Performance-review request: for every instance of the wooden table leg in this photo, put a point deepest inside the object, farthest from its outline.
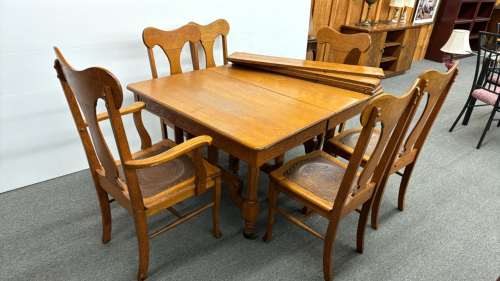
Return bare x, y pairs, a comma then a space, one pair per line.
251, 206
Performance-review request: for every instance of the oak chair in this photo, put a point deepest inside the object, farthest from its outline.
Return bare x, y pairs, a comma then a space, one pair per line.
209, 34
486, 84
436, 90
146, 182
345, 48
327, 186
171, 42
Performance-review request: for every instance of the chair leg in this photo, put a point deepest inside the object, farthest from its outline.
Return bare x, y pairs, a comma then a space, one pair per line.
377, 199
310, 145
404, 185
331, 233
279, 161
487, 128
164, 132
461, 113
141, 229
363, 221
273, 198
179, 135
103, 198
341, 127
234, 164
215, 208
472, 102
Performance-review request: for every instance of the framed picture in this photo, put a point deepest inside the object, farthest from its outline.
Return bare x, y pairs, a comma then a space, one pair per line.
426, 11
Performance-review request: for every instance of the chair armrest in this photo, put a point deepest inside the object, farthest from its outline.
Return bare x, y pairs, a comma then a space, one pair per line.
136, 106
170, 154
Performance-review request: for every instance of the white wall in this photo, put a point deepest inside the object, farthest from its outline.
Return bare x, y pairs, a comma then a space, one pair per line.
38, 139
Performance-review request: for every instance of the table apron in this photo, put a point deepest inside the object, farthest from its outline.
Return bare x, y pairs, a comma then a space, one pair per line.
218, 140
289, 143
346, 114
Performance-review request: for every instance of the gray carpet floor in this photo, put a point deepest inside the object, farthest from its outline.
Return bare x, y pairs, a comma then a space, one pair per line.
450, 229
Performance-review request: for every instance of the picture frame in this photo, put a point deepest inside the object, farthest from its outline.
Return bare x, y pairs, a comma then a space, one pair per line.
426, 11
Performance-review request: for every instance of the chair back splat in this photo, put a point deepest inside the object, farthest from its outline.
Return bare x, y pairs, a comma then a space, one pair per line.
171, 42
346, 48
146, 182
85, 88
209, 33
327, 186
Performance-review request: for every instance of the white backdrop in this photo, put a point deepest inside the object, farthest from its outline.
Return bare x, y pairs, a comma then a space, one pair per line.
38, 138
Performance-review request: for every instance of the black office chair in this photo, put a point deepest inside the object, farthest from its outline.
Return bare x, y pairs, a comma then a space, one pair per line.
486, 84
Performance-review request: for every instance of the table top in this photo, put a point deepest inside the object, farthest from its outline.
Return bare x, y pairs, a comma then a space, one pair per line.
255, 108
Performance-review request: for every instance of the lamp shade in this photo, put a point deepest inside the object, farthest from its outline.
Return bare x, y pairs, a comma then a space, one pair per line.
397, 3
458, 43
410, 3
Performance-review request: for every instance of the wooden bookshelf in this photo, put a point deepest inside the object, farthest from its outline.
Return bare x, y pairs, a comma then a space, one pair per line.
472, 15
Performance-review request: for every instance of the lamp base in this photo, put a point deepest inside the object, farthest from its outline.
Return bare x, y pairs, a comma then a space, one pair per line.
450, 63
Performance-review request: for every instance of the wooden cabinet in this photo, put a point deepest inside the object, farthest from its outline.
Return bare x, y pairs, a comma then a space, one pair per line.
472, 15
392, 47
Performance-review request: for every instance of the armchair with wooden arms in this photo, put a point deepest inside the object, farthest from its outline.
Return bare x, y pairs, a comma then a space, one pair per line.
327, 186
146, 182
436, 90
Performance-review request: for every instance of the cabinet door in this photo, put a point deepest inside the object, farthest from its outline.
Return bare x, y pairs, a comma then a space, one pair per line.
374, 54
408, 49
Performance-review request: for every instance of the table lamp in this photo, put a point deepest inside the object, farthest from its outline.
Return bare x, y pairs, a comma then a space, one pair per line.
398, 4
458, 43
367, 21
408, 4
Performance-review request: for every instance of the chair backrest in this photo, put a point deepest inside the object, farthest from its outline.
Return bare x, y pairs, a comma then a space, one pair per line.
488, 63
392, 114
343, 46
171, 42
436, 89
209, 33
83, 89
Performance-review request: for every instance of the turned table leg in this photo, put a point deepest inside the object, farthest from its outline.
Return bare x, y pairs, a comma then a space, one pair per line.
251, 206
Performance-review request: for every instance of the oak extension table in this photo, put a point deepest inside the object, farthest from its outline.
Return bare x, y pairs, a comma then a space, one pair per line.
250, 113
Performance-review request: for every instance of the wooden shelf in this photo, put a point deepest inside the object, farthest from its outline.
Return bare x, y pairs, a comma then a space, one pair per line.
391, 44
478, 19
463, 20
387, 58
